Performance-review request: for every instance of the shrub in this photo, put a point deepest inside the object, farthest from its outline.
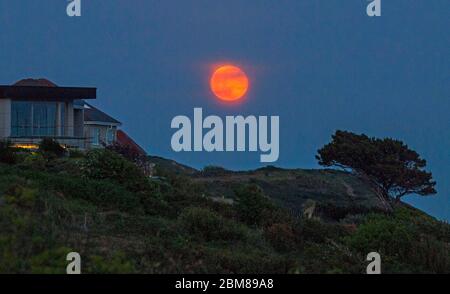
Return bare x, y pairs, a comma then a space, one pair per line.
105, 164
403, 245
313, 230
336, 212
252, 204
7, 154
102, 164
75, 153
214, 171
50, 148
118, 263
100, 192
208, 225
52, 261
33, 161
282, 237
247, 261
139, 158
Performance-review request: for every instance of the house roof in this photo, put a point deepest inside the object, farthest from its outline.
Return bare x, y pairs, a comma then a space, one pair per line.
35, 83
43, 89
125, 140
94, 115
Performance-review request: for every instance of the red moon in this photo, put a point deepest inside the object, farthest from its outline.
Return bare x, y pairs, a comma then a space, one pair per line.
229, 83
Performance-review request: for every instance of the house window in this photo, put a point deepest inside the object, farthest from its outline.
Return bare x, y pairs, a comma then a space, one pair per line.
110, 136
63, 119
33, 119
21, 119
95, 135
44, 119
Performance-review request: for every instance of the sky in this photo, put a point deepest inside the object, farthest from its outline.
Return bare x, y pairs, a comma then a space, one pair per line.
320, 65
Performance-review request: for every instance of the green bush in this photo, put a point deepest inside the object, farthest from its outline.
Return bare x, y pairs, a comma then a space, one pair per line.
252, 205
247, 261
99, 192
317, 231
33, 161
51, 148
7, 154
283, 237
206, 224
118, 263
75, 153
105, 164
214, 171
404, 246
52, 261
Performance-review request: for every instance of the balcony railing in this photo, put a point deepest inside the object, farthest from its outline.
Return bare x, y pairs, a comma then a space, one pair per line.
71, 142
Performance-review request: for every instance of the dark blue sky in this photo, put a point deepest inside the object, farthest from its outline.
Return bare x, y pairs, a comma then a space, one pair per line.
320, 65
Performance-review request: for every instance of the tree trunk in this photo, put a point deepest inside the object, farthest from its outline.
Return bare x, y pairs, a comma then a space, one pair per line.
381, 195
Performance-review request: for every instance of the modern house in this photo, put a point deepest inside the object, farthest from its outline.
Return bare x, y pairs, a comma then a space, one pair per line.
33, 109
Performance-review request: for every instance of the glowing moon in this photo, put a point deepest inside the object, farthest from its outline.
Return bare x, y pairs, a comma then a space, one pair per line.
229, 83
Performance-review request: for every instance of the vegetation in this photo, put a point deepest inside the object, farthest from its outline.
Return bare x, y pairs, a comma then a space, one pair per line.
50, 148
103, 206
133, 155
389, 164
7, 154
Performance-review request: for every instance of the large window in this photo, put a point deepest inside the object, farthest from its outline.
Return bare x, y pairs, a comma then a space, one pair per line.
110, 136
34, 119
95, 135
21, 119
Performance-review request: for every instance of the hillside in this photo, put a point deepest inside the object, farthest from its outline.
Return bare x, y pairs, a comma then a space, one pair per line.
102, 206
293, 188
289, 188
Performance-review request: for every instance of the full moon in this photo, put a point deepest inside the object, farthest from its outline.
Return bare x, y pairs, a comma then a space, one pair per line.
229, 83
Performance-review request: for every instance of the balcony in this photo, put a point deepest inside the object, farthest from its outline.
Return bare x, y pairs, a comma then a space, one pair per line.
70, 142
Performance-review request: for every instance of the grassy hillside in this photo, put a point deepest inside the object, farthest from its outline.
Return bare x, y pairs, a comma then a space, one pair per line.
102, 206
292, 189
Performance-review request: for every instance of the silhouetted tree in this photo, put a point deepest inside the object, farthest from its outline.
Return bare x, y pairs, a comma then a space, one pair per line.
389, 164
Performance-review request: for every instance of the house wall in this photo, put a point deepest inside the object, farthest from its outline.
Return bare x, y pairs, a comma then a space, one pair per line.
5, 118
78, 121
70, 128
88, 130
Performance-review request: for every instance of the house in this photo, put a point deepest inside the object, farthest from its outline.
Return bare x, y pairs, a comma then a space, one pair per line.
99, 127
33, 109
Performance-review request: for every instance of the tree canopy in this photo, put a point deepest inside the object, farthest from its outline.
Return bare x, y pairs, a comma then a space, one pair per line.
389, 164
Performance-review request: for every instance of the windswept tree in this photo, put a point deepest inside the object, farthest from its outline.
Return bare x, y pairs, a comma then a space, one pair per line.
393, 168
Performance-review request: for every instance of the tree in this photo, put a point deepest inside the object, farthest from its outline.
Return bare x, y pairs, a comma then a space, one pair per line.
252, 205
393, 168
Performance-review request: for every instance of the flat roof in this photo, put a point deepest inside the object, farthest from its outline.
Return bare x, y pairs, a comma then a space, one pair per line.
46, 93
